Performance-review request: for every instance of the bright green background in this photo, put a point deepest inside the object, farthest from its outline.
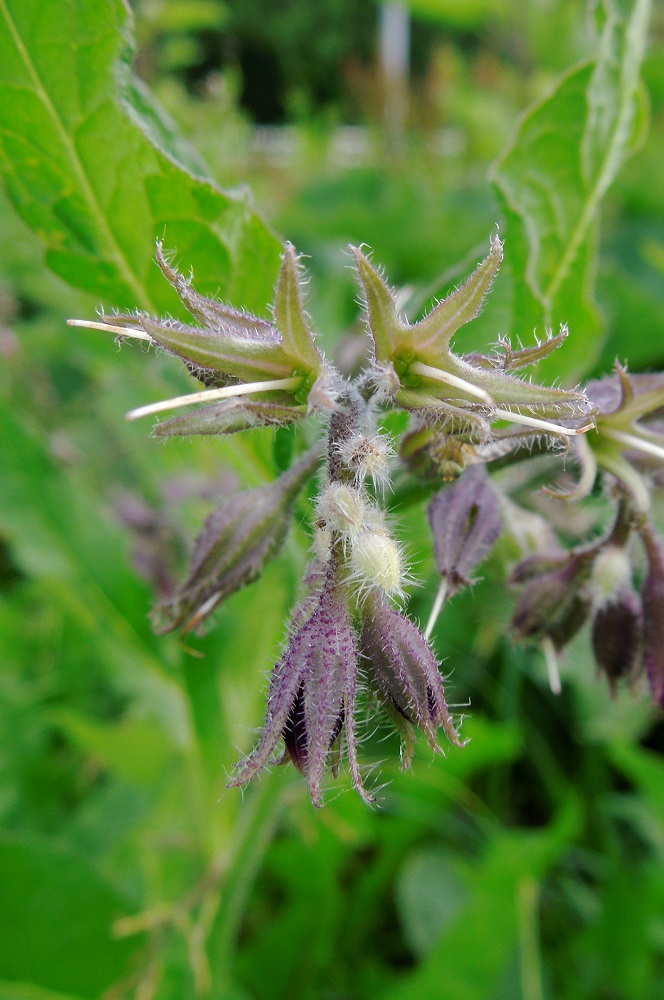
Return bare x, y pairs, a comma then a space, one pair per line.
528, 864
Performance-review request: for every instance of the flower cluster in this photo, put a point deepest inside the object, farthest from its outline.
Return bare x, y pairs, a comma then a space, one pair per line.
350, 631
349, 638
595, 583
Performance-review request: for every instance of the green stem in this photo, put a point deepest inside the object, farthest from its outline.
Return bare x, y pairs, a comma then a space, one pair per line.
257, 823
531, 965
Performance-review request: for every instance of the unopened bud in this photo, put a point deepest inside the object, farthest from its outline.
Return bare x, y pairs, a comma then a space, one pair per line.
376, 563
367, 456
611, 575
345, 510
555, 602
237, 541
405, 670
652, 595
617, 637
465, 522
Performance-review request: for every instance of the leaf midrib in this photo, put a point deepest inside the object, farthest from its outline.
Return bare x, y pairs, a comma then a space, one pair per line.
604, 178
139, 290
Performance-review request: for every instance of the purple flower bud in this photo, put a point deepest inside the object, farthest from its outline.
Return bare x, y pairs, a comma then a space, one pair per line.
617, 637
237, 541
465, 521
405, 669
555, 601
652, 595
312, 694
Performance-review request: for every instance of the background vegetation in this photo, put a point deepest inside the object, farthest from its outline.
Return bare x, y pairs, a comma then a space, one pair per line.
528, 864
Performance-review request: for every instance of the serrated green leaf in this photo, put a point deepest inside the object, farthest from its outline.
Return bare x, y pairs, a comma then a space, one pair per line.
552, 178
83, 166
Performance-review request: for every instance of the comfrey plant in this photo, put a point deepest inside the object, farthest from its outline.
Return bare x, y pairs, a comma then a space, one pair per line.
474, 421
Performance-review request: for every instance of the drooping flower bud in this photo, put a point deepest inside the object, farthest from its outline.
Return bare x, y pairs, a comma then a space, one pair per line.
405, 670
652, 595
237, 541
555, 602
312, 696
617, 637
465, 522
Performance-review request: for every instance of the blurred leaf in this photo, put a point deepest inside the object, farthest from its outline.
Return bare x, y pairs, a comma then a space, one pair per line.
135, 750
490, 920
82, 169
66, 542
430, 895
186, 15
460, 13
645, 769
24, 991
56, 914
552, 178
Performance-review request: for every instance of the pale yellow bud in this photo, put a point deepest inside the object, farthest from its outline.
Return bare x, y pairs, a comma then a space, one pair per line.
344, 509
367, 455
376, 562
611, 576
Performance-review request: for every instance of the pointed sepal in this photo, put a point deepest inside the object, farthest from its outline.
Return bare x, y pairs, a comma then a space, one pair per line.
289, 315
231, 416
432, 335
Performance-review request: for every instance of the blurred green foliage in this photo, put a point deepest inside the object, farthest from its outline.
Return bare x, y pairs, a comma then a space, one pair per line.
528, 864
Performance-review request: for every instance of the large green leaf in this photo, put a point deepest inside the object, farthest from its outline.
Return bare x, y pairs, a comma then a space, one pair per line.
81, 166
56, 915
478, 939
26, 991
70, 545
552, 178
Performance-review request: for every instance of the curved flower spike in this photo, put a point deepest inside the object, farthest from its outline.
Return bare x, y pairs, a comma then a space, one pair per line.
415, 366
239, 357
